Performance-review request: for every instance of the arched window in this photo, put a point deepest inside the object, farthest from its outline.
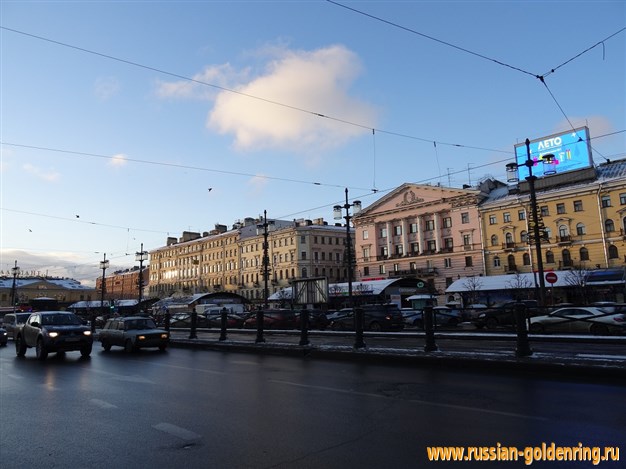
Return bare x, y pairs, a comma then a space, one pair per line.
580, 229
526, 259
509, 239
563, 231
609, 226
511, 261
549, 257
584, 254
548, 232
524, 236
494, 240
304, 272
496, 261
613, 254
567, 258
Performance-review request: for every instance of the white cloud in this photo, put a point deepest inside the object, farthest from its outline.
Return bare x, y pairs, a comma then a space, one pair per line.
317, 82
46, 175
118, 160
106, 87
219, 76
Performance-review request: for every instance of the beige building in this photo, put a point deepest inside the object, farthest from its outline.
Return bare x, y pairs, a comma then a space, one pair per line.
232, 260
425, 232
34, 290
582, 217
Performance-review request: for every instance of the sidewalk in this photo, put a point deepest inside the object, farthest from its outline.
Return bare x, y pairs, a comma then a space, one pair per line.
576, 363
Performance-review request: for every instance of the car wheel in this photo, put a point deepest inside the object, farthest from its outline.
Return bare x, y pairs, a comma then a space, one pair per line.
376, 327
491, 323
20, 346
40, 350
106, 346
86, 350
599, 329
128, 346
162, 348
537, 328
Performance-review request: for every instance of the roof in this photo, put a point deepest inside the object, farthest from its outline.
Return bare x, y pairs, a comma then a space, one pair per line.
369, 287
66, 283
506, 282
606, 277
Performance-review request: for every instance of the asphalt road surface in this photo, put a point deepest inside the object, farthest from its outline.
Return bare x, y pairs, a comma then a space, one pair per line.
205, 409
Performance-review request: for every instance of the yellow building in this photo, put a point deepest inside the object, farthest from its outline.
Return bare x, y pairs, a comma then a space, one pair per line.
584, 215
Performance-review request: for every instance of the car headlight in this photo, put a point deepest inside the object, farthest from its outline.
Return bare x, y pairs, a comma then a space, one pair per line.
141, 337
482, 316
164, 336
86, 332
53, 334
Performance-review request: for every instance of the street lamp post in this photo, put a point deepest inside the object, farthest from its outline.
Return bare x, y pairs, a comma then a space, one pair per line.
104, 264
140, 256
356, 208
266, 265
15, 271
511, 170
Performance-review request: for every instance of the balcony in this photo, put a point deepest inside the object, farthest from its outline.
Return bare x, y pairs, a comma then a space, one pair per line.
564, 240
468, 247
509, 246
382, 258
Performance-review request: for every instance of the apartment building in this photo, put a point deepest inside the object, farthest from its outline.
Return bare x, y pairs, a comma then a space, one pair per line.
429, 233
582, 217
123, 284
232, 260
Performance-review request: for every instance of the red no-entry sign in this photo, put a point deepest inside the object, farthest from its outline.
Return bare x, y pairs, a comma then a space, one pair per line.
551, 277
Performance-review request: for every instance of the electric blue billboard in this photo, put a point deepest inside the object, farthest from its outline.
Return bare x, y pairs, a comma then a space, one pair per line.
571, 151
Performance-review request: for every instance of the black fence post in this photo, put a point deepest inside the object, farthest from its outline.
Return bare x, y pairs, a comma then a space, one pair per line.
429, 329
304, 327
259, 326
523, 346
358, 328
223, 319
194, 323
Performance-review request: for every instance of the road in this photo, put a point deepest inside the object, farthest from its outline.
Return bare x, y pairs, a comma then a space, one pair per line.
207, 409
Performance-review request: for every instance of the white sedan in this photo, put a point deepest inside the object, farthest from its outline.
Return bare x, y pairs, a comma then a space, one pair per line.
582, 319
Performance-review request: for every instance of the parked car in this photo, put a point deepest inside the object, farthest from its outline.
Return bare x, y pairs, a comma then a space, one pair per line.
13, 321
183, 320
273, 319
4, 337
385, 317
53, 331
133, 333
317, 320
443, 316
233, 321
582, 319
504, 314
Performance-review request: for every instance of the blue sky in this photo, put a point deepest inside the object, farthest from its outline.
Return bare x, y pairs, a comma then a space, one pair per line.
117, 117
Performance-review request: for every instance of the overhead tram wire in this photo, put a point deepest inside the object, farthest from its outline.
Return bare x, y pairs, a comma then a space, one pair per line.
199, 82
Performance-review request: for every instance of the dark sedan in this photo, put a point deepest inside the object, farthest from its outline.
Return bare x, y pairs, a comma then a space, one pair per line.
375, 318
273, 319
133, 333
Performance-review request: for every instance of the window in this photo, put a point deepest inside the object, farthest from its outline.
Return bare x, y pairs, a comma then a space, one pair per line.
468, 261
521, 214
381, 269
622, 199
467, 240
383, 232
366, 270
526, 259
447, 222
302, 239
609, 226
397, 230
578, 205
563, 231
523, 236
567, 258
613, 254
431, 245
447, 262
396, 267
549, 257
413, 228
366, 254
560, 208
584, 254
415, 248
304, 273
496, 261
544, 211
430, 225
465, 217
366, 234
448, 243
506, 216
606, 201
399, 249
303, 255
384, 252
580, 229
492, 220
413, 266
494, 240
509, 239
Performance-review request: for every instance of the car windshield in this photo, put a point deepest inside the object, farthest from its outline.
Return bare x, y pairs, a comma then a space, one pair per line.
60, 320
139, 324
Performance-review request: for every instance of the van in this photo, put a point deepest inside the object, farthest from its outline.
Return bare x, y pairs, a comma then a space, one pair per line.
13, 321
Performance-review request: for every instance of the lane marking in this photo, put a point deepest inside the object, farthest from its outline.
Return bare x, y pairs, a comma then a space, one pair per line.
415, 401
103, 404
178, 432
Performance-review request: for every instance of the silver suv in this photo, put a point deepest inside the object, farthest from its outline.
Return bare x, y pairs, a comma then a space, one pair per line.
13, 321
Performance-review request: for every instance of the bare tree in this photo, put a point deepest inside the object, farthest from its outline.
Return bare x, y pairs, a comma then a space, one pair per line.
577, 278
521, 284
472, 287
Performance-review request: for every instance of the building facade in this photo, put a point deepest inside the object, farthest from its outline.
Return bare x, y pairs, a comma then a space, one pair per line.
425, 232
29, 290
124, 284
582, 217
